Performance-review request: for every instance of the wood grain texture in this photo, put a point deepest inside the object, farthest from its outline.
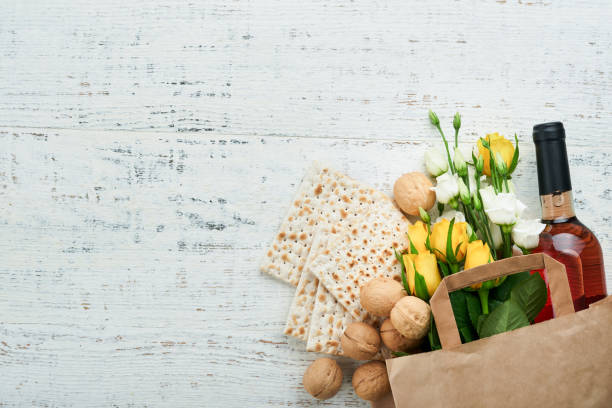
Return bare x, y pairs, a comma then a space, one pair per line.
365, 69
148, 151
129, 273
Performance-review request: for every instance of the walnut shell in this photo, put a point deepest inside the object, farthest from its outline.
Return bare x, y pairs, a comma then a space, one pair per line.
360, 341
411, 317
379, 295
371, 381
413, 190
323, 378
394, 340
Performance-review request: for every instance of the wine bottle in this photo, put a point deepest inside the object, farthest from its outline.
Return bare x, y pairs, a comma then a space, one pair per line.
565, 238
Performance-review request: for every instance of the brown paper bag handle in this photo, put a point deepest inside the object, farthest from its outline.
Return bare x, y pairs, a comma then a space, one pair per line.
440, 301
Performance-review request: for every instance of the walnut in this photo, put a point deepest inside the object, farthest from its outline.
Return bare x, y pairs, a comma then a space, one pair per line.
411, 317
413, 190
360, 341
323, 378
394, 340
379, 295
371, 381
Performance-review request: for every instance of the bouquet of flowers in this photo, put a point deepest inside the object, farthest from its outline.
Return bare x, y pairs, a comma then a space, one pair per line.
480, 221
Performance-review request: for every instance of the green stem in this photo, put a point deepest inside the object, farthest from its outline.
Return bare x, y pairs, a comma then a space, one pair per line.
507, 244
456, 138
488, 236
483, 294
468, 218
450, 162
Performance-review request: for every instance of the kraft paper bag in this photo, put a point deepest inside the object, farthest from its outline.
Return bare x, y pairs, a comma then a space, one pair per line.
563, 362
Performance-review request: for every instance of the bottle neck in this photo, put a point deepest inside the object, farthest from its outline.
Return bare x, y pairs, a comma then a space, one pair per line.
557, 207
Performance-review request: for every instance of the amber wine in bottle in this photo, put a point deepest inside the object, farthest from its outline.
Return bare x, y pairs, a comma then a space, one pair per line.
565, 238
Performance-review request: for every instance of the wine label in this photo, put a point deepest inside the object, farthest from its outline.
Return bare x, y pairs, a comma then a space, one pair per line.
557, 205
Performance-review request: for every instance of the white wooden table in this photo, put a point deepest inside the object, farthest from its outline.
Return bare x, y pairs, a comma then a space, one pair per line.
148, 151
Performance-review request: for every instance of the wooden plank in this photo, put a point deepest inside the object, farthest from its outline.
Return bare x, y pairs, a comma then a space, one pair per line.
129, 272
360, 69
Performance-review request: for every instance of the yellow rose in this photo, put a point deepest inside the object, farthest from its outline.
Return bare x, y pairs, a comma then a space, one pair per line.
477, 254
439, 233
500, 145
418, 235
427, 266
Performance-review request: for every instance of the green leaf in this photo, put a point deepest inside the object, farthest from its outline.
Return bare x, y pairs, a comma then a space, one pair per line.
462, 316
420, 287
400, 353
507, 316
457, 249
515, 157
413, 250
400, 259
466, 334
450, 255
434, 339
473, 307
530, 295
502, 292
443, 268
493, 304
481, 320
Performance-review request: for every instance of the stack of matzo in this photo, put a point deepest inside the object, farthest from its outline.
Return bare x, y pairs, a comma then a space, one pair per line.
338, 234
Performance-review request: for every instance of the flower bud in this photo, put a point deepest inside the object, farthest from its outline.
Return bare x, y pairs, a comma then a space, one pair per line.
477, 203
433, 118
424, 215
435, 162
439, 237
425, 264
417, 234
457, 121
479, 164
460, 164
500, 164
454, 203
471, 233
478, 253
464, 193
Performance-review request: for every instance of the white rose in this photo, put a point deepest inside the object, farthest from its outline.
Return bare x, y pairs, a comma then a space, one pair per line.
502, 208
460, 164
496, 235
464, 194
450, 214
447, 187
435, 162
526, 233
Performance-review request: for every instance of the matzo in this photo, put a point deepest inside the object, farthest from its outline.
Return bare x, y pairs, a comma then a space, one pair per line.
365, 251
328, 322
324, 195
315, 315
298, 319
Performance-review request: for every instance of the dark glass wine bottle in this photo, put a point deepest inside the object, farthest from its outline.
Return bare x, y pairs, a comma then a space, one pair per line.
565, 238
